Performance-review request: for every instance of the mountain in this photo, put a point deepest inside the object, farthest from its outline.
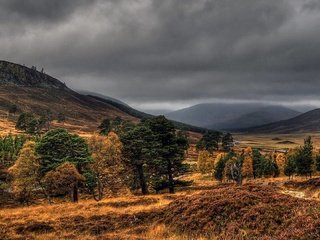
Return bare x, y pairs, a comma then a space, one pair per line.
307, 122
223, 116
34, 91
37, 92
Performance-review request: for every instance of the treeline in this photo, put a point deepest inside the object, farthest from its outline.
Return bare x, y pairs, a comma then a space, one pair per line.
251, 163
35, 125
146, 156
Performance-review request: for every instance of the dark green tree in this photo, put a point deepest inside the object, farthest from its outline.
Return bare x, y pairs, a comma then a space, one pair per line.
220, 166
138, 150
209, 141
290, 168
227, 142
28, 123
57, 147
105, 126
170, 149
305, 161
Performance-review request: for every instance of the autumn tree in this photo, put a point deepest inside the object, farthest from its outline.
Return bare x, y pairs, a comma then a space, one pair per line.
205, 162
232, 170
220, 163
107, 162
281, 161
247, 165
64, 180
26, 172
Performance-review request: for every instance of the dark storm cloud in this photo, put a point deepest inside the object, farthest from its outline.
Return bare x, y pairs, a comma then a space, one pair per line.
162, 51
39, 10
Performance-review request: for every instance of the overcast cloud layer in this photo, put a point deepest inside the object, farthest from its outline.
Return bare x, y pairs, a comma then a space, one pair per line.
166, 54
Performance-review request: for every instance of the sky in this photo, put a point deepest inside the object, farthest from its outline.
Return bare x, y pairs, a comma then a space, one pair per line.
162, 55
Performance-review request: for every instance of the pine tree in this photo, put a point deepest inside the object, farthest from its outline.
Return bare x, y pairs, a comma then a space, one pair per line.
170, 150
138, 150
305, 161
290, 167
209, 141
58, 146
227, 142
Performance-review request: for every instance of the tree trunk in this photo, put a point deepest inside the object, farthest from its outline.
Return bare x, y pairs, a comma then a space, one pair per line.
142, 180
75, 197
170, 178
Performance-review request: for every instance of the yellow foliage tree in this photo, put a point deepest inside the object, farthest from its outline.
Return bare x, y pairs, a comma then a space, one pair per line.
247, 165
25, 172
205, 162
107, 162
281, 161
63, 180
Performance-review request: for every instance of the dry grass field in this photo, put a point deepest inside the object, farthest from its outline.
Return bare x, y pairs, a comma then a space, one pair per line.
263, 209
273, 142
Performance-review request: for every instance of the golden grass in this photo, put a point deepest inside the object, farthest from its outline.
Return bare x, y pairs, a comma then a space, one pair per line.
90, 212
128, 217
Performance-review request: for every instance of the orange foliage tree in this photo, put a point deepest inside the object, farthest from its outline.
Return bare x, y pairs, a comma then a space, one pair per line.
247, 165
107, 162
205, 162
281, 161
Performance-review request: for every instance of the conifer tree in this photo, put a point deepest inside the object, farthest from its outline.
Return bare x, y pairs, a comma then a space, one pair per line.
305, 161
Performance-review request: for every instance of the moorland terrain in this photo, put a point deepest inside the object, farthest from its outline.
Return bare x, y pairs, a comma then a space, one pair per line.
111, 175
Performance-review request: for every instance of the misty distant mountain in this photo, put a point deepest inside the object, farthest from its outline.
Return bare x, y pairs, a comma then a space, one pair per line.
223, 116
307, 122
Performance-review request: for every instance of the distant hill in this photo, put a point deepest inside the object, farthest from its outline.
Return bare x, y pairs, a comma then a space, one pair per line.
226, 116
37, 92
307, 122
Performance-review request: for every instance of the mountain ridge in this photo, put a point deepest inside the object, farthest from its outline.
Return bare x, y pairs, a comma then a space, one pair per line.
226, 116
306, 122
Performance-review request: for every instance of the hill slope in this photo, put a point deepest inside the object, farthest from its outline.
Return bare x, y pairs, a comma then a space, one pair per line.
231, 115
37, 92
34, 91
307, 122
